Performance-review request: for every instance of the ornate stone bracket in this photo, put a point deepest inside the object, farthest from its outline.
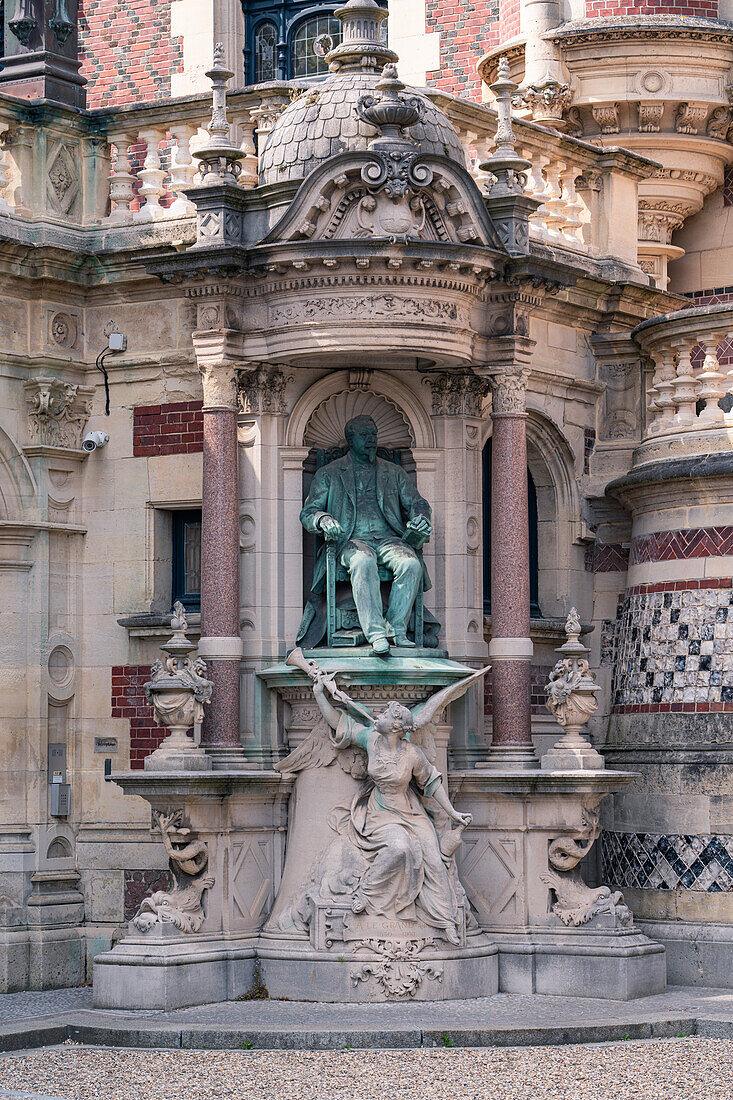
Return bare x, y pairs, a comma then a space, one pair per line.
263, 390
57, 411
575, 902
547, 101
188, 860
457, 394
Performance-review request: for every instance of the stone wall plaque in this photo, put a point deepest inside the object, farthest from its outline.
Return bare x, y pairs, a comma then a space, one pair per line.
105, 744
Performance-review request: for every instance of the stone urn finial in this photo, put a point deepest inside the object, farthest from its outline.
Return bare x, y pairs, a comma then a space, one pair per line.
571, 699
178, 690
390, 112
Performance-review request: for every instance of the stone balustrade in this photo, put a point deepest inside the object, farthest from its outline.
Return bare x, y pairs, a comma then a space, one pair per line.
152, 163
589, 196
690, 389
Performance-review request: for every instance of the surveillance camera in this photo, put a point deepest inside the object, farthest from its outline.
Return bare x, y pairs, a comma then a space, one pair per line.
93, 440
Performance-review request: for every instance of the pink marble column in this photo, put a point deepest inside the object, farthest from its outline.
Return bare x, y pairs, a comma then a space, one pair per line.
510, 650
220, 644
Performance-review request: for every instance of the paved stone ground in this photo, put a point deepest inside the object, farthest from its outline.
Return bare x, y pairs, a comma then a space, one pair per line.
42, 1019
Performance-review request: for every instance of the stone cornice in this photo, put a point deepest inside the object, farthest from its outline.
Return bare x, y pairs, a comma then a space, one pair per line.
635, 27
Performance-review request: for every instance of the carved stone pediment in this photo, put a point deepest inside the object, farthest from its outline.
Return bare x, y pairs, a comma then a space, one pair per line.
380, 195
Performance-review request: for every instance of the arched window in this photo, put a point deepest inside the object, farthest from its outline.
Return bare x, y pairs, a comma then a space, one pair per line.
534, 572
312, 40
265, 53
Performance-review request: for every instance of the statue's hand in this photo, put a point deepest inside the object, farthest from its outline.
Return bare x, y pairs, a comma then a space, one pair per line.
422, 525
330, 528
464, 819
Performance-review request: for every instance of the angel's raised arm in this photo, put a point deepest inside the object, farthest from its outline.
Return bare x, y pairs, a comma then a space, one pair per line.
428, 712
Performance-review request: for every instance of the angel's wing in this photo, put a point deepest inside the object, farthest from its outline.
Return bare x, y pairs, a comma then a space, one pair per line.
428, 711
317, 751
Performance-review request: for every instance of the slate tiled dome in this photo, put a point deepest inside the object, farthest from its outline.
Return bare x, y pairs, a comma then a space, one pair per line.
323, 122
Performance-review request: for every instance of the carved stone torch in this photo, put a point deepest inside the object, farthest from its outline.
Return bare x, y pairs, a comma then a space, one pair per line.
178, 691
571, 699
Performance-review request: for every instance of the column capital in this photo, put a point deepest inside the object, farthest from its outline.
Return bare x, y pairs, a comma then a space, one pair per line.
219, 357
509, 390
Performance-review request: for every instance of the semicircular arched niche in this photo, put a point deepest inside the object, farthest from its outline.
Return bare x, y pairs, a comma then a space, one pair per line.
325, 427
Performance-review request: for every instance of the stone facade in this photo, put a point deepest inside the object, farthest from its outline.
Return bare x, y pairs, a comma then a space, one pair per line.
258, 324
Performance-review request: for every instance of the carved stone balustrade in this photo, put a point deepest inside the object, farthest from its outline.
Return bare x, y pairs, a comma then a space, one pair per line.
677, 110
588, 195
690, 389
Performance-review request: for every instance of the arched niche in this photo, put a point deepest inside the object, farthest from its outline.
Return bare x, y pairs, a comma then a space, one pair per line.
17, 484
551, 468
370, 384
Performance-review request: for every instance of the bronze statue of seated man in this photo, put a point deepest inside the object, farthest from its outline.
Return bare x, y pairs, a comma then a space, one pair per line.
373, 514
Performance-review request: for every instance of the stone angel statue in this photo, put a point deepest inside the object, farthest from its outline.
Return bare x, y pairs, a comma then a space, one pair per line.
392, 821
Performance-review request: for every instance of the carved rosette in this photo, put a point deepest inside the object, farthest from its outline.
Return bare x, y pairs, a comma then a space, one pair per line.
57, 411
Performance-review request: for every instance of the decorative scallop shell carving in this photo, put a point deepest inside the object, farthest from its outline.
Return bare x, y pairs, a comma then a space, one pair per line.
326, 425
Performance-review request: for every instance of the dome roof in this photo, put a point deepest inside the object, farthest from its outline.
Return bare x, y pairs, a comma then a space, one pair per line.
323, 122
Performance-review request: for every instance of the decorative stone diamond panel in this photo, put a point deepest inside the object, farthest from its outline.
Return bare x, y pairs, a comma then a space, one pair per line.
653, 861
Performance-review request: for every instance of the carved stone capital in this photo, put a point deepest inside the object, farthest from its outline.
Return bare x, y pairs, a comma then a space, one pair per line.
219, 356
457, 394
57, 411
262, 390
509, 391
220, 384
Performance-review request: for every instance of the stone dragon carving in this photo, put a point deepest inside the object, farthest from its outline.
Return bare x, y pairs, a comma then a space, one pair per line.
188, 859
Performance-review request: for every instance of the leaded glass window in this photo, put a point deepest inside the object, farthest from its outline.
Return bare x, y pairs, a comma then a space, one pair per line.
265, 53
313, 39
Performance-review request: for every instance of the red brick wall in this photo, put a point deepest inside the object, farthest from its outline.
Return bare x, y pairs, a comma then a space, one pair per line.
127, 52
467, 30
128, 701
603, 9
606, 557
173, 429
141, 884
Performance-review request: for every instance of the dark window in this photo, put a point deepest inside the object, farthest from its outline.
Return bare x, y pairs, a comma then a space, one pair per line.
186, 540
265, 53
534, 585
312, 40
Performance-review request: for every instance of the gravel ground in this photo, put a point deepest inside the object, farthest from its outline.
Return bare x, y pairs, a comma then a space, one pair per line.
675, 1069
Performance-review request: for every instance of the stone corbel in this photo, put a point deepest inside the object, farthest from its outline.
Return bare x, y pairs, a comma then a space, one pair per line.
575, 902
57, 411
457, 394
690, 117
263, 390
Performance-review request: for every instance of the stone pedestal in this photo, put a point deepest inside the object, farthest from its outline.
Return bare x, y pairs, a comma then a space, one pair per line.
240, 817
520, 866
332, 953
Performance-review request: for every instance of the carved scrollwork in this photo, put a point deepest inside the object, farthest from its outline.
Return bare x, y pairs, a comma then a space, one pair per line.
399, 969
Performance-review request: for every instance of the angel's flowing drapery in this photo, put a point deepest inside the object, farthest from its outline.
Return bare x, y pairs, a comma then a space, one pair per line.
407, 877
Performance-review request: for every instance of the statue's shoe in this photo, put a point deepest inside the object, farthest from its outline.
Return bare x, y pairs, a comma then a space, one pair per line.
380, 645
403, 640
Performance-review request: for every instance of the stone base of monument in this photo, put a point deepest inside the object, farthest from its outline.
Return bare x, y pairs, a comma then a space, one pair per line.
380, 969
520, 865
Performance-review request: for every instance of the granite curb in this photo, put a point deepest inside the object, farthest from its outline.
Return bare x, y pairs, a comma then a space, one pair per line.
126, 1033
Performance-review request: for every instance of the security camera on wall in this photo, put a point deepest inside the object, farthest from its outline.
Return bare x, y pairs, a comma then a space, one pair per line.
93, 440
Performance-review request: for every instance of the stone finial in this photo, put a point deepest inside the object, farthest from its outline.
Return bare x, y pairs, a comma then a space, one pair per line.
219, 159
361, 45
178, 690
571, 699
505, 164
390, 112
